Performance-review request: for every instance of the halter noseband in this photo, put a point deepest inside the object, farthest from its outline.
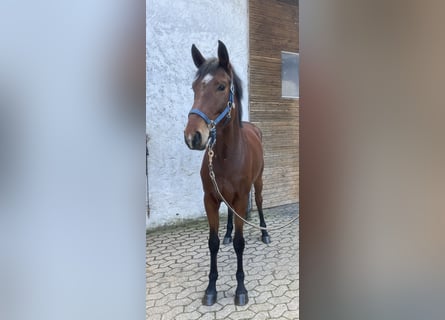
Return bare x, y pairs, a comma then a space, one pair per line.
212, 123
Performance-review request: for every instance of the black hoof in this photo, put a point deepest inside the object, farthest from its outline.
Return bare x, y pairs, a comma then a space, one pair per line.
227, 239
265, 239
241, 299
209, 299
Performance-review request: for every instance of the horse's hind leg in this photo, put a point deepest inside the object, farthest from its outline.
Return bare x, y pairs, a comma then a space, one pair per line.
259, 203
228, 236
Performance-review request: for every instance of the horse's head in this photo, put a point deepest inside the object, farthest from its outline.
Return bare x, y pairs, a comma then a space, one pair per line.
214, 93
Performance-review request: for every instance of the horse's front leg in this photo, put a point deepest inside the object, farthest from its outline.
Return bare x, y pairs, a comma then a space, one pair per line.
212, 207
241, 297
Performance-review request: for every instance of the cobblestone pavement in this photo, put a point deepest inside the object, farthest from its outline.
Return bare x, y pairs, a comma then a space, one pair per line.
178, 262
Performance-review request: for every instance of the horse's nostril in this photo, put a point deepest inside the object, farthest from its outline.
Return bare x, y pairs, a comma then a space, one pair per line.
196, 142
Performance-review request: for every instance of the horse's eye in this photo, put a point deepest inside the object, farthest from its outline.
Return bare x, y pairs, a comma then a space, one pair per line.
221, 87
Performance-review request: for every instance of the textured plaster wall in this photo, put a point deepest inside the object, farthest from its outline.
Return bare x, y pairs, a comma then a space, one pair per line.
174, 190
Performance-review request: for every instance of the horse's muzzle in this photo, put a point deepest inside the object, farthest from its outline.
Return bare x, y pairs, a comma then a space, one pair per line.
194, 142
196, 133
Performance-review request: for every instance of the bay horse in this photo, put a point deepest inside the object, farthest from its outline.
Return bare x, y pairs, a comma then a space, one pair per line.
238, 157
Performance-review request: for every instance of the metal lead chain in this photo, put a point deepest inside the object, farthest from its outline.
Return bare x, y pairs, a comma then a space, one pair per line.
211, 153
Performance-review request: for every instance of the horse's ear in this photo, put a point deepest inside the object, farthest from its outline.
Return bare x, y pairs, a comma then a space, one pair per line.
198, 58
223, 55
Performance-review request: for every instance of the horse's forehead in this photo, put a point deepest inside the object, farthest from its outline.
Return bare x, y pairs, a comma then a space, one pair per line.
207, 78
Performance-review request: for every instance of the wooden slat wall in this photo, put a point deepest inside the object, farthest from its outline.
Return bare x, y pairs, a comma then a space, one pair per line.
274, 28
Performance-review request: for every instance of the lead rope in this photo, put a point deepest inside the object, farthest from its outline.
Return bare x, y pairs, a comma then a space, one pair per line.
212, 177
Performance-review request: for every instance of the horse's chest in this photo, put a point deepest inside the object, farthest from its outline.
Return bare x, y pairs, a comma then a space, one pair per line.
232, 177
229, 168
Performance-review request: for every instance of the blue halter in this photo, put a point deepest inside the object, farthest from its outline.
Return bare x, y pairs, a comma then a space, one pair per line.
212, 123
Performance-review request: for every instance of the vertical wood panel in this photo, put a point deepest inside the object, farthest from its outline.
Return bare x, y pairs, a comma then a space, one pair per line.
273, 28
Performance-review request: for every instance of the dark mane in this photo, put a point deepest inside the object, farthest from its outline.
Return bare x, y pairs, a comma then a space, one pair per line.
209, 67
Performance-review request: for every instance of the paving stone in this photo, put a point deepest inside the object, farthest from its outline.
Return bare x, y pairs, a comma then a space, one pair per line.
242, 308
241, 315
261, 316
224, 287
179, 302
213, 308
263, 296
184, 293
278, 310
291, 315
280, 291
154, 316
155, 296
164, 269
156, 277
172, 313
281, 282
156, 287
293, 304
171, 258
196, 283
253, 293
165, 299
258, 276
159, 310
198, 276
261, 307
224, 312
226, 300
266, 280
264, 288
259, 264
208, 316
194, 305
188, 316
291, 293
279, 300
149, 303
295, 285
176, 289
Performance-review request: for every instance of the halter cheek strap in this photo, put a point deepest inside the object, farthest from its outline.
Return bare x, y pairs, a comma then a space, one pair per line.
212, 123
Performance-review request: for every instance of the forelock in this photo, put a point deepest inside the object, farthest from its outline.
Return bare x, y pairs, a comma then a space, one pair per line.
208, 67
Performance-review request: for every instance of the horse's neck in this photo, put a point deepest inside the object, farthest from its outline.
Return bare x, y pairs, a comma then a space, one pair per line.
229, 139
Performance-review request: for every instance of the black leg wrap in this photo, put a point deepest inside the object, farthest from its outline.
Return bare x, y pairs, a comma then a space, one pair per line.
241, 297
238, 245
240, 279
213, 244
210, 293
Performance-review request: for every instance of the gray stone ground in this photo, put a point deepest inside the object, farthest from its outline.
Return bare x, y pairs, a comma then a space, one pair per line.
178, 262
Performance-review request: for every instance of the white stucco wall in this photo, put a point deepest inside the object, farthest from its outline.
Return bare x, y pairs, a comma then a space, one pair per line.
175, 191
